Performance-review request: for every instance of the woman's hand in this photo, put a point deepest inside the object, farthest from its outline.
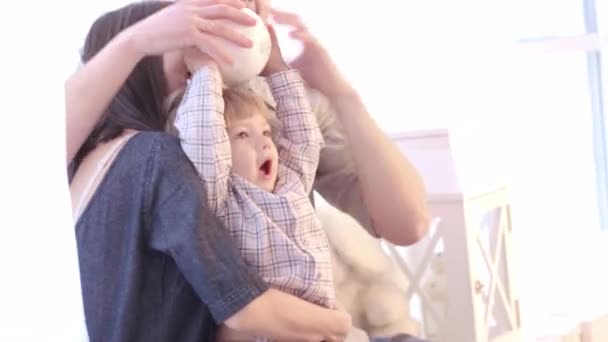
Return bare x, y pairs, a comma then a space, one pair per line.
276, 63
341, 326
188, 23
303, 321
314, 63
183, 24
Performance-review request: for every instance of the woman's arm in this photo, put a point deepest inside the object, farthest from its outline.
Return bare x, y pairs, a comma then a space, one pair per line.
86, 97
389, 185
354, 187
284, 317
181, 24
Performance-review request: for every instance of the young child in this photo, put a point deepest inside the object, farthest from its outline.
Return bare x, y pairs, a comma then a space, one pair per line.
259, 189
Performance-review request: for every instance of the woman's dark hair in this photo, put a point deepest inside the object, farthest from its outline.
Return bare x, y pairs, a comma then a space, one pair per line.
139, 102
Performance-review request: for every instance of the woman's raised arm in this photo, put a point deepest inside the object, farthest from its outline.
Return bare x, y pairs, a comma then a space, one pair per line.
182, 24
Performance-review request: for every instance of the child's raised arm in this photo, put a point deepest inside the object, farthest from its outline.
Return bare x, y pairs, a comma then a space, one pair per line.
301, 140
202, 131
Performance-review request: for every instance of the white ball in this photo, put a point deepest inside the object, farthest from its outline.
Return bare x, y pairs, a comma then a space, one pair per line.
248, 62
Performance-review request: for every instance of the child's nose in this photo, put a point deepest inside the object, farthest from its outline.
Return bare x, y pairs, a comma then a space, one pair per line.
262, 142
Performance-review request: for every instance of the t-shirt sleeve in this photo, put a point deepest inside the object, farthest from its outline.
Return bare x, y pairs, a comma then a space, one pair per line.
183, 227
337, 180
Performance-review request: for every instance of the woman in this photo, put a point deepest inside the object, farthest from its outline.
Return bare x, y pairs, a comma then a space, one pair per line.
155, 264
364, 168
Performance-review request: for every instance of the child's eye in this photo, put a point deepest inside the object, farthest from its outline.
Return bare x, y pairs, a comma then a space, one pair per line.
267, 133
242, 135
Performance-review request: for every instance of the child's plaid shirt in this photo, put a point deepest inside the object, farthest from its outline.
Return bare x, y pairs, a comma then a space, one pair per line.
279, 232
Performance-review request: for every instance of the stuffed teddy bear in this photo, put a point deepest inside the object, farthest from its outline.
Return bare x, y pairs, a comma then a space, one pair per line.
435, 286
369, 285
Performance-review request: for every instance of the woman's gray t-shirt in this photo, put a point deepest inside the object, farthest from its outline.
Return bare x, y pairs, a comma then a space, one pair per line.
155, 263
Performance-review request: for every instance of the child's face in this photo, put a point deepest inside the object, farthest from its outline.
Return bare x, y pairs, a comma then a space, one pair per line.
254, 154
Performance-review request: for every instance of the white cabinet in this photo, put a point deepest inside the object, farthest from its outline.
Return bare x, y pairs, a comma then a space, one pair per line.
461, 273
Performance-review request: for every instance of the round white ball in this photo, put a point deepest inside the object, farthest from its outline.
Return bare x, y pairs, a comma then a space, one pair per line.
248, 62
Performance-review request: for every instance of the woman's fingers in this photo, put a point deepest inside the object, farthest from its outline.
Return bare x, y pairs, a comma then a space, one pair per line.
232, 3
287, 18
212, 46
304, 36
222, 30
224, 11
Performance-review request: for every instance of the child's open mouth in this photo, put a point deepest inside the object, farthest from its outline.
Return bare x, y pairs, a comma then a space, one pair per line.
266, 168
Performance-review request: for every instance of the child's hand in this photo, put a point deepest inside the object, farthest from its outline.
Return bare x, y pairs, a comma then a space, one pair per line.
196, 59
314, 62
276, 63
262, 7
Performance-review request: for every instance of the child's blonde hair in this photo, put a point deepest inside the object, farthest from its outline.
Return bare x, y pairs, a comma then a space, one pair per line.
238, 104
242, 104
